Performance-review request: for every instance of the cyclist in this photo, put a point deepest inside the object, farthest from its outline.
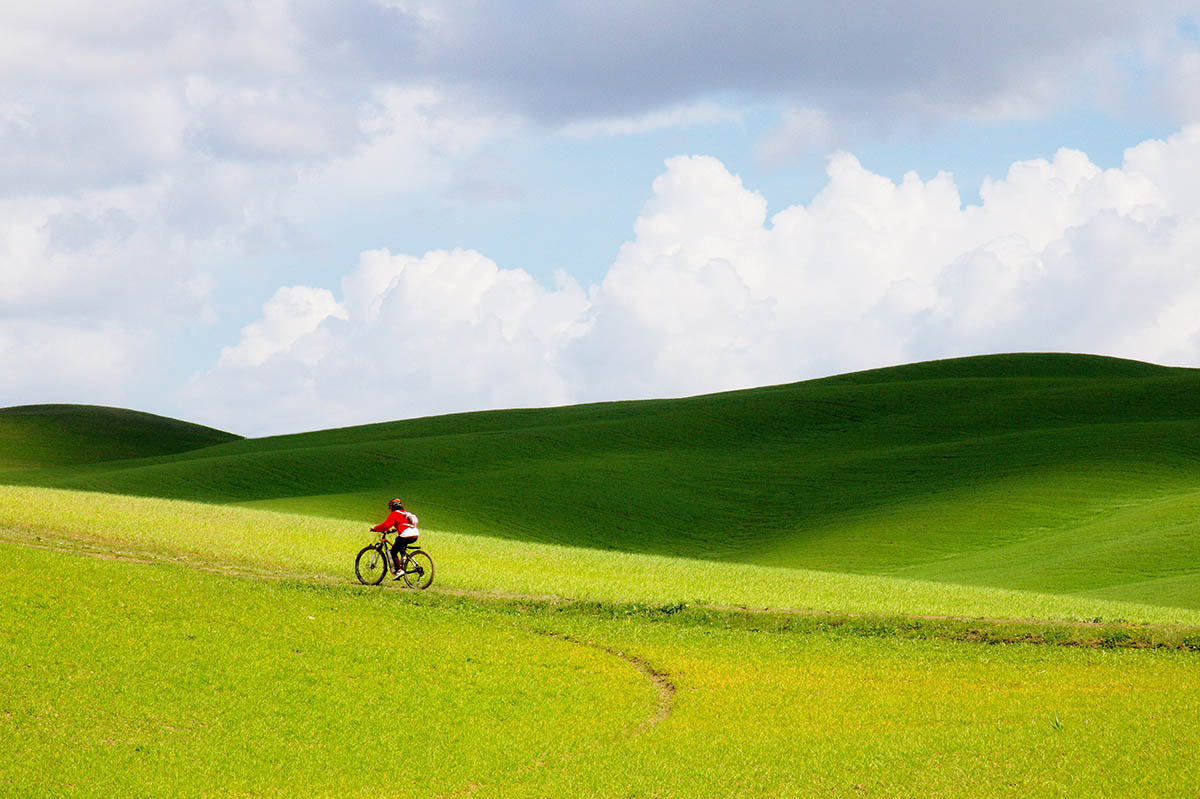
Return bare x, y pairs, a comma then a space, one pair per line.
405, 525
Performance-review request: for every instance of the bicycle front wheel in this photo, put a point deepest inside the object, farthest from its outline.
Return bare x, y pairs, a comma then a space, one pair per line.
370, 565
418, 569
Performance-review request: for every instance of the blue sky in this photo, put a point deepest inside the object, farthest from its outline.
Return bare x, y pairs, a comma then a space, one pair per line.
290, 214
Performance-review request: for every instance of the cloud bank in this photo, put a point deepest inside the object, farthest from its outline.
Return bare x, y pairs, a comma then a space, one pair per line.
710, 295
160, 159
148, 152
938, 58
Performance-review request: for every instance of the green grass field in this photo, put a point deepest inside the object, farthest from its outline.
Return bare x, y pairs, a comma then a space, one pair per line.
977, 577
160, 679
1060, 474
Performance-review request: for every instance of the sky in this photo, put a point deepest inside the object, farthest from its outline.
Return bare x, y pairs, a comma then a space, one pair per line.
285, 215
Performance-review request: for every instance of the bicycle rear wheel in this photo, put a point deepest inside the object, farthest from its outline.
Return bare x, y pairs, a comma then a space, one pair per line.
370, 565
418, 569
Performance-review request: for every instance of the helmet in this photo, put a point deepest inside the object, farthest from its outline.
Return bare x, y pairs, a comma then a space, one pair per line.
396, 504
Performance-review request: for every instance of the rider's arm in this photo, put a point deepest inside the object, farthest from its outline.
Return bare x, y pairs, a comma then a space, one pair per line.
389, 522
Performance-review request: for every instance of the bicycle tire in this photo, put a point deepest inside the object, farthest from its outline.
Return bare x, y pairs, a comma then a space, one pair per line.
370, 571
418, 569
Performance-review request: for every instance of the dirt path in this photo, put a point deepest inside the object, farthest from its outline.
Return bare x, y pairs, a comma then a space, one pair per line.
663, 684
95, 549
661, 680
111, 550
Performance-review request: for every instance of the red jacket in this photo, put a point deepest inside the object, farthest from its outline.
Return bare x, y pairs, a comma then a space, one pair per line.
397, 519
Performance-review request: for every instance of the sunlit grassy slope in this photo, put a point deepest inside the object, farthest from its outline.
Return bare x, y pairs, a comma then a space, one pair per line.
1053, 473
172, 682
69, 435
268, 542
153, 679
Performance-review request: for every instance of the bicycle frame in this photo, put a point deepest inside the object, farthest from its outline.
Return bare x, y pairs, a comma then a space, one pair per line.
385, 550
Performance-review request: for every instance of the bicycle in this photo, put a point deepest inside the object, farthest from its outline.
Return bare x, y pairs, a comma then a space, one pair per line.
374, 562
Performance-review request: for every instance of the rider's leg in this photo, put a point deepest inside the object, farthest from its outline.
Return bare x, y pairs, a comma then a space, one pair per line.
401, 544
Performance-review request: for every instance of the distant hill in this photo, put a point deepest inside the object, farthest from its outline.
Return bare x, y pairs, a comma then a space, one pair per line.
1060, 473
63, 435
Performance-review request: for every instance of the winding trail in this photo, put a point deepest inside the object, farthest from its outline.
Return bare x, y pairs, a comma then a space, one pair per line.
663, 684
662, 681
114, 550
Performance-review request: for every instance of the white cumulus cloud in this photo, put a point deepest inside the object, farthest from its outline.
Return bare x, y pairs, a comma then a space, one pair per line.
711, 294
449, 331
291, 319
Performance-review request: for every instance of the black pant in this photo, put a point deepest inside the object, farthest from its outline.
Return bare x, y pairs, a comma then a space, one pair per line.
400, 544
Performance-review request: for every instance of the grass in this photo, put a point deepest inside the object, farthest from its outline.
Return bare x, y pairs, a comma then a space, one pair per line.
162, 680
304, 545
33, 436
169, 682
1058, 474
939, 606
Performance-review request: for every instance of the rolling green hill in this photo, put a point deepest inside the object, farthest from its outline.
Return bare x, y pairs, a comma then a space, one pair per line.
963, 578
1057, 473
69, 435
